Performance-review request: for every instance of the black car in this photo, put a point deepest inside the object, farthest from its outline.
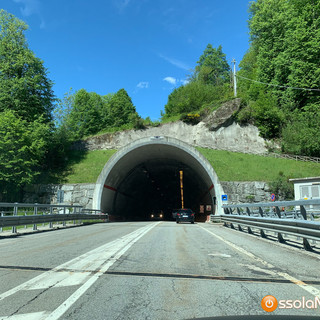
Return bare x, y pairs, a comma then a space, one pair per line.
184, 215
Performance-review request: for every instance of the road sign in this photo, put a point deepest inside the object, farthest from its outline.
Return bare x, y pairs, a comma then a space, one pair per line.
273, 197
224, 197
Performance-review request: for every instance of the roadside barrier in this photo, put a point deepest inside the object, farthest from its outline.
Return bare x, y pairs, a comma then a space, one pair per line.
294, 218
23, 214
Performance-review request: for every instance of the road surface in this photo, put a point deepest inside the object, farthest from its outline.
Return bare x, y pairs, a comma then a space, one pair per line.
152, 270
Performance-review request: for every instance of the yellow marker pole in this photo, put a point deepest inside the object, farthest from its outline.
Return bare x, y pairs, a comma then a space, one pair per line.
181, 188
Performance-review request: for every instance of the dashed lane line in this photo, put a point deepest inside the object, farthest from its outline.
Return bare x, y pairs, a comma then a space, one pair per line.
312, 290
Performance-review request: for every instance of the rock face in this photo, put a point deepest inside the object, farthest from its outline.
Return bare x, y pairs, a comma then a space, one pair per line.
217, 131
246, 191
75, 194
222, 117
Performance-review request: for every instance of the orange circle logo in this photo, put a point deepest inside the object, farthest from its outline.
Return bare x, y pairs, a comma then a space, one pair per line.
269, 303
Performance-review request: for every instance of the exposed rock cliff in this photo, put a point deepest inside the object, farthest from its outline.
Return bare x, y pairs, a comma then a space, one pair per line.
216, 131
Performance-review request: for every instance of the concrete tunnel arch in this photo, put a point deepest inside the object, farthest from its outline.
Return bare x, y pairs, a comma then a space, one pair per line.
143, 176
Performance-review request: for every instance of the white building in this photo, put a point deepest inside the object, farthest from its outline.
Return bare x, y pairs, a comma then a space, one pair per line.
307, 189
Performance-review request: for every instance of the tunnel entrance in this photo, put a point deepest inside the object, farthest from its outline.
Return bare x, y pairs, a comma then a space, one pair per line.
143, 178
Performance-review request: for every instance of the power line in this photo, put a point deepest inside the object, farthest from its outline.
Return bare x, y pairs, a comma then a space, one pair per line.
275, 85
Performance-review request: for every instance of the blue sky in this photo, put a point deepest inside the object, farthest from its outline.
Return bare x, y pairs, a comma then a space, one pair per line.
147, 47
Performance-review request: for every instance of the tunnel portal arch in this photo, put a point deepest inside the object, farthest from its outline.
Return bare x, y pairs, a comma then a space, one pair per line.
144, 176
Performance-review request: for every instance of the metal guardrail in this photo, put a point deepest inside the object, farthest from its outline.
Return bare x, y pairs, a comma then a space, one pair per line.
34, 214
300, 220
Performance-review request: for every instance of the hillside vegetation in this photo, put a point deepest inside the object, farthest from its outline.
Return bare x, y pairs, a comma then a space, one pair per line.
229, 166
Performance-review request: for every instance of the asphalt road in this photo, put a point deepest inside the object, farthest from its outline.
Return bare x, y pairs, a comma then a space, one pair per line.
152, 270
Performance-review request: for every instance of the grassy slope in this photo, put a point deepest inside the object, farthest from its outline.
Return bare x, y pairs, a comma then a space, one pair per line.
229, 166
88, 167
234, 166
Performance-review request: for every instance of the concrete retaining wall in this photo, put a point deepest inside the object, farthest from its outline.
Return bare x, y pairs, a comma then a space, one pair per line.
82, 193
248, 191
77, 194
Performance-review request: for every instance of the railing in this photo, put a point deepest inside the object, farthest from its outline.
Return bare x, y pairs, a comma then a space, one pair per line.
23, 214
296, 218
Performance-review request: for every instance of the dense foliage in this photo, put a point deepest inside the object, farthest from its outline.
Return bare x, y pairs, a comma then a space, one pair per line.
26, 104
24, 85
86, 113
283, 63
23, 147
208, 85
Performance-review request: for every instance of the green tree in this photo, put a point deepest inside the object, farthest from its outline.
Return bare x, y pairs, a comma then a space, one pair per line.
23, 147
24, 85
193, 97
121, 109
85, 116
285, 36
301, 133
212, 67
284, 54
282, 188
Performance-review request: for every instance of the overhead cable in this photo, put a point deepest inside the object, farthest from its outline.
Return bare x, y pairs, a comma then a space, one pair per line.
275, 85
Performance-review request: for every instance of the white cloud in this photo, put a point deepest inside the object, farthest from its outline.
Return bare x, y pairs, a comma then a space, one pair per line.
143, 85
171, 80
184, 82
177, 63
175, 81
31, 7
121, 4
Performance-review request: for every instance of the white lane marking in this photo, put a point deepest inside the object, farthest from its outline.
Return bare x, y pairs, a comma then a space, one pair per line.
99, 259
314, 291
123, 247
89, 261
223, 255
62, 279
27, 316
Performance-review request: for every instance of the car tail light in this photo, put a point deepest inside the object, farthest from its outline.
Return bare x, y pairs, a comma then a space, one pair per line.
192, 214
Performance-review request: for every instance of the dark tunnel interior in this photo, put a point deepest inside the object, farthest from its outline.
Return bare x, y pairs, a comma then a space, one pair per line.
146, 179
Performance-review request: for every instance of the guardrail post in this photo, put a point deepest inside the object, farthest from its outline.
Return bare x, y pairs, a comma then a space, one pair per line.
248, 211
2, 214
278, 212
280, 238
64, 221
50, 223
15, 213
75, 211
306, 245
35, 212
262, 233
303, 212
261, 212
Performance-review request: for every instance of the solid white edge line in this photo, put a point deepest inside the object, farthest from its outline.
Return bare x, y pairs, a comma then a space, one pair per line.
57, 313
314, 291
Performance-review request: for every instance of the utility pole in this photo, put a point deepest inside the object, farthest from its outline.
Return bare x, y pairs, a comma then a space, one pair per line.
234, 78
